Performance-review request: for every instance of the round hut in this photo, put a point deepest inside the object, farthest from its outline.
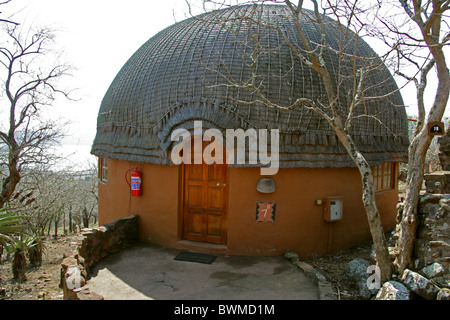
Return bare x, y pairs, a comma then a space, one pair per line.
205, 77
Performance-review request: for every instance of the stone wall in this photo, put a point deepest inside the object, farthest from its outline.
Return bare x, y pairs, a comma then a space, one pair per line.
438, 182
432, 249
430, 276
88, 248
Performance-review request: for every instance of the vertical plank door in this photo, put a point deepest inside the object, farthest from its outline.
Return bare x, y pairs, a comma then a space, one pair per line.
205, 203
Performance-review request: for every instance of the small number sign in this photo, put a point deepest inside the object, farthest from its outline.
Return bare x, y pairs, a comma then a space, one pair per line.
265, 211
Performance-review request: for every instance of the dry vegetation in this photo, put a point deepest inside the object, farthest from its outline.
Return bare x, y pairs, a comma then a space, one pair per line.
42, 281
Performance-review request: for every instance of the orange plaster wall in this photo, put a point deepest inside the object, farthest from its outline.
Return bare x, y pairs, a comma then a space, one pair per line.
157, 207
299, 225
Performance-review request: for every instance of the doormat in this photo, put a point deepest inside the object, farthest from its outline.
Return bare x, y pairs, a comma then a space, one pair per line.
195, 257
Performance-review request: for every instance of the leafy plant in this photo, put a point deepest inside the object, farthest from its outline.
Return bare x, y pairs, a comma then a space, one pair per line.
10, 223
18, 249
36, 248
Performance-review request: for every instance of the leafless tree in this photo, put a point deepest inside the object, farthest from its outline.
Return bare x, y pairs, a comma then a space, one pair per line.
6, 20
54, 198
331, 109
413, 37
31, 72
420, 33
416, 35
84, 196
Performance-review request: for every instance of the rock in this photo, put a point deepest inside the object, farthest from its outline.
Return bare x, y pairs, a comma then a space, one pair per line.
434, 270
291, 256
433, 234
357, 271
443, 294
325, 288
393, 290
91, 246
70, 261
438, 182
442, 282
419, 285
309, 271
88, 295
357, 268
326, 291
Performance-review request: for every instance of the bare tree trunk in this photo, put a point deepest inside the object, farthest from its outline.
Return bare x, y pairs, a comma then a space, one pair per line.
19, 266
409, 219
430, 30
26, 87
56, 227
373, 216
341, 128
417, 153
70, 220
85, 217
64, 222
10, 182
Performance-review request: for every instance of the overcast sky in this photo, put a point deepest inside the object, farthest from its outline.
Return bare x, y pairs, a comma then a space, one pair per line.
98, 37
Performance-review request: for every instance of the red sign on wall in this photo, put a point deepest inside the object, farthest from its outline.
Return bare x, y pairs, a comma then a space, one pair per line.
265, 211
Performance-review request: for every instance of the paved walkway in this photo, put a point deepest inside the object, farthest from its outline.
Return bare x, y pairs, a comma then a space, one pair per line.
150, 272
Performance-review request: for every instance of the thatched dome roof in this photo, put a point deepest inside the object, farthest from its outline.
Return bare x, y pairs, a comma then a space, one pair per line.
184, 74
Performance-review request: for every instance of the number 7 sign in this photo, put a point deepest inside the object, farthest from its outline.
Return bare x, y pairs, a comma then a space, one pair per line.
265, 211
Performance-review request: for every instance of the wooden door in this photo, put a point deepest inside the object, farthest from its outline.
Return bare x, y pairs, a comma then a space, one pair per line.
205, 203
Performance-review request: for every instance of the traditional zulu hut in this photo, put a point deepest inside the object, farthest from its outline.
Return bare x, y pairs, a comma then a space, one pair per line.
190, 72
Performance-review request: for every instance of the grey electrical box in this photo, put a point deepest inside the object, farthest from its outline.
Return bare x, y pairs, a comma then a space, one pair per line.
333, 209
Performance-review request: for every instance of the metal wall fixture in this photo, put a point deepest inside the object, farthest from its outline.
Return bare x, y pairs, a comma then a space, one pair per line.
266, 185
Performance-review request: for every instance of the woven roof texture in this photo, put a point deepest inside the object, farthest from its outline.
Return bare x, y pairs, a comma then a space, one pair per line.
191, 71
